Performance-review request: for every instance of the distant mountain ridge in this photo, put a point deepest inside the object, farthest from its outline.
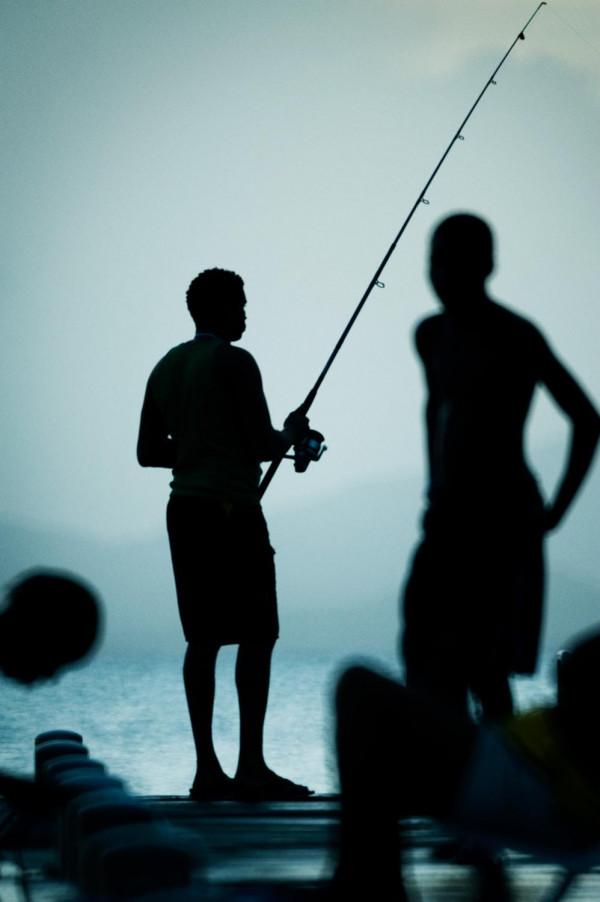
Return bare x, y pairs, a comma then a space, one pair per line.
340, 563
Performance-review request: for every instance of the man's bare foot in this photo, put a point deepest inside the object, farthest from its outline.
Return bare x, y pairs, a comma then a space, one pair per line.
269, 786
216, 787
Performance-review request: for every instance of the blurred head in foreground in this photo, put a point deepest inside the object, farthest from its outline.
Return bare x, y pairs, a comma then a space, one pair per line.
49, 621
579, 678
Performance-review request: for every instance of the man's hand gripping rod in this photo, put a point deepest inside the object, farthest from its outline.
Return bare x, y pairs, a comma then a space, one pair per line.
307, 403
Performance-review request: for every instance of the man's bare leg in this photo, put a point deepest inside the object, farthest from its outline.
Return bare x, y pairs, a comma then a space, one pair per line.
199, 681
252, 679
252, 676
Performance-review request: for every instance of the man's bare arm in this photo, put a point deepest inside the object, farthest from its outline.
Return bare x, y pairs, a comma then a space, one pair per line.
239, 374
585, 432
155, 448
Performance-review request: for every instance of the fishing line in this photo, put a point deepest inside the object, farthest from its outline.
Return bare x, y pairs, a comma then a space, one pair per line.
575, 31
375, 281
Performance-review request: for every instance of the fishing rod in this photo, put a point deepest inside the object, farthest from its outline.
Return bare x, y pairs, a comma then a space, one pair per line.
311, 448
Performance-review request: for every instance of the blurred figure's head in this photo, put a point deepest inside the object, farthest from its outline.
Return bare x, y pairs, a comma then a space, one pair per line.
461, 259
578, 683
216, 302
49, 620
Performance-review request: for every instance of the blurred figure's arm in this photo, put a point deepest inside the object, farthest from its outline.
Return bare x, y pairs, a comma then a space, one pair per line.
585, 432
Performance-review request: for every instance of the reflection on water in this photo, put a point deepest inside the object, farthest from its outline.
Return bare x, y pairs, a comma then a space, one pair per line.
133, 717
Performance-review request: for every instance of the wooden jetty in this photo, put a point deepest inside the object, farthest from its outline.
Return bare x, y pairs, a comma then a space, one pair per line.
247, 852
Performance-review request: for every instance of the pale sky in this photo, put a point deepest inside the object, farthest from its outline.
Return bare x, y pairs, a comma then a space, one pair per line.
145, 141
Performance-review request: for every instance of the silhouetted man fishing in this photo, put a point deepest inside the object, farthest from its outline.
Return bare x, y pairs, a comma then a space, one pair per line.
473, 599
206, 418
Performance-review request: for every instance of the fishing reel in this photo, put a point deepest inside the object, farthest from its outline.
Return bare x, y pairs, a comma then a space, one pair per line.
310, 448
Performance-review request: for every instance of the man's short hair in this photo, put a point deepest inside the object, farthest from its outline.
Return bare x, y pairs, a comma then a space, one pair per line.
212, 292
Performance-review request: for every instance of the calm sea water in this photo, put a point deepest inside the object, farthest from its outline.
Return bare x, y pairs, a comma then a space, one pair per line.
133, 717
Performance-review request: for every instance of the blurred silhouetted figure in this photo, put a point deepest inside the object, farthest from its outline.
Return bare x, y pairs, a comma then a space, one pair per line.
531, 785
473, 600
205, 417
49, 621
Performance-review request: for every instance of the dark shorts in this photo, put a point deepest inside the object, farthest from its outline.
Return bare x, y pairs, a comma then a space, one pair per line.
474, 595
224, 571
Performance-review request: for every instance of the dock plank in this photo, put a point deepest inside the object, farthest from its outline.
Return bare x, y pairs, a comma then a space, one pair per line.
242, 850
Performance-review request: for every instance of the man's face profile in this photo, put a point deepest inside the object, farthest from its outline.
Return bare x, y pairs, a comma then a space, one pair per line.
234, 324
450, 269
458, 267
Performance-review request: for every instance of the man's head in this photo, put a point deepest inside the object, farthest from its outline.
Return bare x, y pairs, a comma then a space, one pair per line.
50, 620
462, 257
216, 301
579, 679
